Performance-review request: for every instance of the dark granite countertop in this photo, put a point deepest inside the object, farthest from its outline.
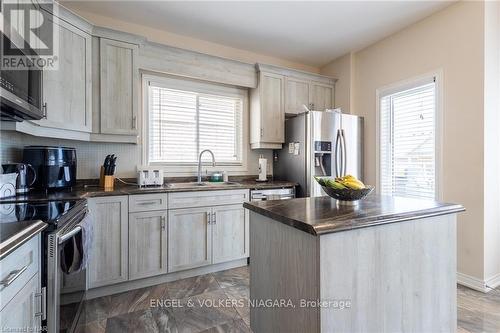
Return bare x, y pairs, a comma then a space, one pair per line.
322, 215
90, 189
15, 234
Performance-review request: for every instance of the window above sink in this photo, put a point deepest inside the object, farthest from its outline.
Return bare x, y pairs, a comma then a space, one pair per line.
184, 117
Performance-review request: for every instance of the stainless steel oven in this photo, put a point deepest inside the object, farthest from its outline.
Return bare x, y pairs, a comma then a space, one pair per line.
65, 292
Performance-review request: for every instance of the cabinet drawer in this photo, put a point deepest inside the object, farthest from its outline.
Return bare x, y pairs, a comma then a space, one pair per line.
207, 198
19, 267
147, 202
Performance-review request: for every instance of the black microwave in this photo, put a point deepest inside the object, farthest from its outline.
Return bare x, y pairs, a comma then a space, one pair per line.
20, 92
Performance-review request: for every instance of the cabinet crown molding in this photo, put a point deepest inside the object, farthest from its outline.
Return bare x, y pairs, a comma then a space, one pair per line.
289, 72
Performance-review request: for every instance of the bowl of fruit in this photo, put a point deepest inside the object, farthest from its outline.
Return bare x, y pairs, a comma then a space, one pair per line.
347, 189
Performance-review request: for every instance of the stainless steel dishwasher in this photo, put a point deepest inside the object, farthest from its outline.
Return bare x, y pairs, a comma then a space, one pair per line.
272, 194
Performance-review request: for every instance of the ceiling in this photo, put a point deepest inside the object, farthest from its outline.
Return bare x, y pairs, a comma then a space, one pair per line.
307, 32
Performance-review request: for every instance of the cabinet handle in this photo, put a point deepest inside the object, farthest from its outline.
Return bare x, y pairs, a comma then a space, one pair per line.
209, 218
43, 299
146, 202
214, 219
44, 110
261, 132
163, 223
134, 122
13, 276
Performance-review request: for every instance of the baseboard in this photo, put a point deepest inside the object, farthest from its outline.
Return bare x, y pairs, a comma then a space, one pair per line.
478, 284
151, 281
494, 281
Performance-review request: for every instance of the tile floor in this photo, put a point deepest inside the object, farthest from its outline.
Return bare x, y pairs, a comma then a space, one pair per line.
132, 311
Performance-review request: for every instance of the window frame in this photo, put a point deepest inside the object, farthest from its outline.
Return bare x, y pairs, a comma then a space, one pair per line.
399, 86
201, 87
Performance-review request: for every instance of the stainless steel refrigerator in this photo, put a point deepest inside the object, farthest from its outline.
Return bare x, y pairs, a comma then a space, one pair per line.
319, 143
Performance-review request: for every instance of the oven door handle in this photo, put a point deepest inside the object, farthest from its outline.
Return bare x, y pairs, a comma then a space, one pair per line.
70, 234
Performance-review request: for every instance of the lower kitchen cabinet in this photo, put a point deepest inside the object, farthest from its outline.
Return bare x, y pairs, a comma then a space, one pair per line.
22, 314
108, 261
142, 235
147, 244
206, 235
189, 238
230, 233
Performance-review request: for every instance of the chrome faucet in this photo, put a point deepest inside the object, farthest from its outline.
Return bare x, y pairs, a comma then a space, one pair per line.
199, 162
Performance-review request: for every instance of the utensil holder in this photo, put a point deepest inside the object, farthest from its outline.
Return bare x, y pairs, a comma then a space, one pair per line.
109, 183
106, 182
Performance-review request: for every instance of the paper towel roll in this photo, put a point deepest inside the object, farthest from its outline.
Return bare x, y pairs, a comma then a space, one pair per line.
262, 168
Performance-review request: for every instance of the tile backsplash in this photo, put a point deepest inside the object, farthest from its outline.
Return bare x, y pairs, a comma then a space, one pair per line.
90, 155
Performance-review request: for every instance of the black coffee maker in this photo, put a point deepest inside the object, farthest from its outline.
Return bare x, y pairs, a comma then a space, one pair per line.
55, 167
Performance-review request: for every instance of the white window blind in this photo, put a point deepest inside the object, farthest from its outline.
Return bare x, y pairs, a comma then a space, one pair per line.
408, 142
182, 123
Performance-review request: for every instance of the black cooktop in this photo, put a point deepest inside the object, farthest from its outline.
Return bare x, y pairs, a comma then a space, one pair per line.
51, 212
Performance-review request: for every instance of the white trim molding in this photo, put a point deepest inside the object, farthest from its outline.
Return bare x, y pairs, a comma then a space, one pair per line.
493, 282
475, 283
181, 83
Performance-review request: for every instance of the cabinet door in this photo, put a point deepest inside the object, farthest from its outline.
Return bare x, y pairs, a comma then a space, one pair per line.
272, 118
108, 261
321, 96
189, 238
147, 244
67, 90
22, 312
119, 79
230, 233
296, 95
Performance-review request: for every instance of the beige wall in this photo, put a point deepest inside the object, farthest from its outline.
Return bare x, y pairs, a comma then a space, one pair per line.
492, 142
188, 43
342, 69
449, 41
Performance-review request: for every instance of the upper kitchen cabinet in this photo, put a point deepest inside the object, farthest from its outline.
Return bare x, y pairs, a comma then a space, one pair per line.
322, 96
118, 89
296, 95
67, 90
284, 92
267, 111
115, 90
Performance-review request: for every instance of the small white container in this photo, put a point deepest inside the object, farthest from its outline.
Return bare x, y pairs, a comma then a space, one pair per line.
8, 185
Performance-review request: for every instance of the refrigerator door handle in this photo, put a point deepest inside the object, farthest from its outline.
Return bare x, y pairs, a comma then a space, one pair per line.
344, 154
337, 155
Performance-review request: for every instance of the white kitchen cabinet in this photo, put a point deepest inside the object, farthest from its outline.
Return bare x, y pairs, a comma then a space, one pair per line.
280, 92
230, 233
20, 295
267, 112
322, 96
147, 244
296, 95
108, 260
189, 238
206, 235
119, 84
67, 90
22, 313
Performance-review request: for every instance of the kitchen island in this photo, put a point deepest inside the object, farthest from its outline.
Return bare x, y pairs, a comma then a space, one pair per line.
386, 265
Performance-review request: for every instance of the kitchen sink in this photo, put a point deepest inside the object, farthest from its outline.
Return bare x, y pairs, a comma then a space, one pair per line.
202, 184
